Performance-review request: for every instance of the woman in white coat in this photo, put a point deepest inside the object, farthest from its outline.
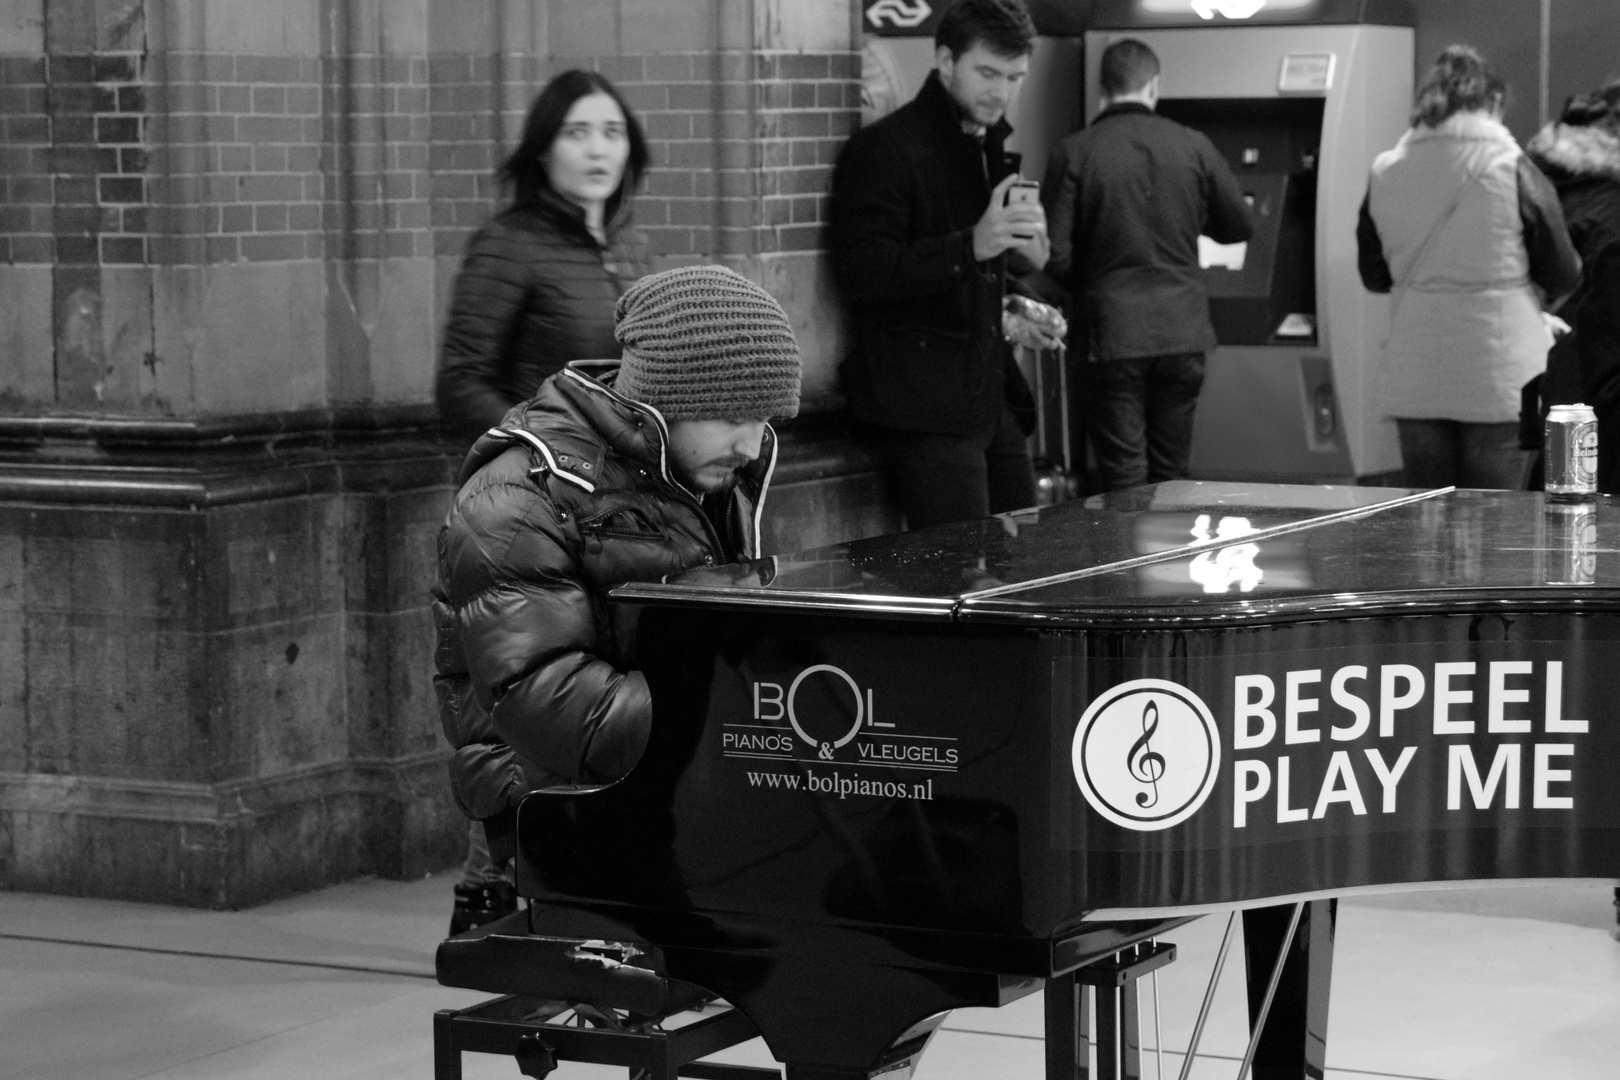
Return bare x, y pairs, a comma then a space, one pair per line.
1467, 235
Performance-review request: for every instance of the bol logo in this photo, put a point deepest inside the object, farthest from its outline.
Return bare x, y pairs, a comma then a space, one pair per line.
826, 707
1146, 754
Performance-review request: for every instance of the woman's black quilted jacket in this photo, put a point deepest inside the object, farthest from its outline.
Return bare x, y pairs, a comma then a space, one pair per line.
535, 291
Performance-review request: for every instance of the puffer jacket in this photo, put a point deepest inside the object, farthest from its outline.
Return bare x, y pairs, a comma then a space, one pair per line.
1583, 162
535, 670
535, 291
1466, 329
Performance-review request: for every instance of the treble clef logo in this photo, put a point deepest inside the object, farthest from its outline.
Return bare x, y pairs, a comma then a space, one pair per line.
1144, 764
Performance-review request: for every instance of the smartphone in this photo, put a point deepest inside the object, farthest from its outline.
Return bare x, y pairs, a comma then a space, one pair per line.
1023, 191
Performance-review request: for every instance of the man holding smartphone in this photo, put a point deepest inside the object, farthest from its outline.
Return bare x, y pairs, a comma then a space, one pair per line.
928, 217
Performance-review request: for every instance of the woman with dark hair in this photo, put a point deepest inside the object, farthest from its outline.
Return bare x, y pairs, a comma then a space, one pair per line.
1580, 153
1468, 236
537, 289
539, 281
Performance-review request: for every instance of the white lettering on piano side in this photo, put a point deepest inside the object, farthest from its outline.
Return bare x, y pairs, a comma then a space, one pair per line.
1466, 701
1504, 770
1350, 703
1389, 702
1345, 791
778, 701
1445, 697
843, 786
1401, 687
1544, 776
1387, 776
1553, 718
1245, 709
742, 740
1498, 694
883, 753
1252, 779
1294, 705
1286, 813
822, 726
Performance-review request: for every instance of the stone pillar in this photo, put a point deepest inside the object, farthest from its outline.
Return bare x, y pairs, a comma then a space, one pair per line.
230, 229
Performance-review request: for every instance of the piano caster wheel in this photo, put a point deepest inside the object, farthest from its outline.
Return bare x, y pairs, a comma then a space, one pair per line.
534, 1057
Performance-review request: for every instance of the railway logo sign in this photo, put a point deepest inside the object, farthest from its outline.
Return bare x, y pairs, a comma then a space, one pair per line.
897, 14
1146, 754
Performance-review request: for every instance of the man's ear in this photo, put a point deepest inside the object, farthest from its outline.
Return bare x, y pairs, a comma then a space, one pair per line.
1151, 91
944, 61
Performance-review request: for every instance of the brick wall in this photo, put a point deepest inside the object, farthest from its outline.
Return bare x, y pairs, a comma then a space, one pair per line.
742, 144
26, 190
203, 158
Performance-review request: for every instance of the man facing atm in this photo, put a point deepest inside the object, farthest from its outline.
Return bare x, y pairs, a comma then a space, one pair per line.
1126, 201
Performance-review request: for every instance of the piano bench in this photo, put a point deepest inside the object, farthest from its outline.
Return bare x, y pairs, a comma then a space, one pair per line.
564, 999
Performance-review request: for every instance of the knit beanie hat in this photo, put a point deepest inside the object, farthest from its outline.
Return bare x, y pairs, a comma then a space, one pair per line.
705, 343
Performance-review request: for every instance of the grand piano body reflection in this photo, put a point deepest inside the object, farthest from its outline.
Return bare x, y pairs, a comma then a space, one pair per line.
929, 770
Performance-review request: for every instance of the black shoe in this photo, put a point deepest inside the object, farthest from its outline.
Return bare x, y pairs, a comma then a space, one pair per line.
480, 904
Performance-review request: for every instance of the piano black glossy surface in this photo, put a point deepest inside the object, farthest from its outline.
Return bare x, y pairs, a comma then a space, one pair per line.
927, 770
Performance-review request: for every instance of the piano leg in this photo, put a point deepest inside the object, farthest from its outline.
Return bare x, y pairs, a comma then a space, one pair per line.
1119, 1029
1068, 1028
1294, 1043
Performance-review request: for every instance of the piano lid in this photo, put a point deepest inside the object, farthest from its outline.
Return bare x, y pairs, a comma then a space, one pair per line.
1008, 564
1458, 549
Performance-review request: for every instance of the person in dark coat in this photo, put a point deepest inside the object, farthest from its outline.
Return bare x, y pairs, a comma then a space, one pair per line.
538, 283
1126, 200
1580, 153
614, 471
921, 241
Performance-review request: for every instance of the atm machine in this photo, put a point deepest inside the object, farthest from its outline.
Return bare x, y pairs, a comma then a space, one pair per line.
1299, 95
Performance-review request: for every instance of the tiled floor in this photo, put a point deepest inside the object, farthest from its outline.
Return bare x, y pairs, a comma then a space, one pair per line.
1476, 984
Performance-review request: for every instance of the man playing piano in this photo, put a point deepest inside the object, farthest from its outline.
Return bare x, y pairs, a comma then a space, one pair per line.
615, 471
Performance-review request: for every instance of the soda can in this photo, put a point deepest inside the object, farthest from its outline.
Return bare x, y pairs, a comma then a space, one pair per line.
1571, 542
1570, 450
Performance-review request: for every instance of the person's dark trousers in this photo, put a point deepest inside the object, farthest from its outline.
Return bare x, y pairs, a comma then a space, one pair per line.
1141, 417
944, 478
1438, 453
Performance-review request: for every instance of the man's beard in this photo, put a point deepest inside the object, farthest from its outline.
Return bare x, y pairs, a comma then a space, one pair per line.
718, 486
968, 111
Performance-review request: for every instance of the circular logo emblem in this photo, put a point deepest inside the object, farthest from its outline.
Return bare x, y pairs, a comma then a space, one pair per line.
827, 742
1146, 754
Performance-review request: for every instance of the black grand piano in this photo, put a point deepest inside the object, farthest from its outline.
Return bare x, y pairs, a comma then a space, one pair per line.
948, 768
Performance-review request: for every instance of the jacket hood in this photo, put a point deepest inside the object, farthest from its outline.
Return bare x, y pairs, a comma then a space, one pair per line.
1463, 125
577, 417
1576, 151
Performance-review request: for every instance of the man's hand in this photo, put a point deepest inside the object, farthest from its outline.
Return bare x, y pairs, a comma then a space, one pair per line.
1003, 227
1032, 324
